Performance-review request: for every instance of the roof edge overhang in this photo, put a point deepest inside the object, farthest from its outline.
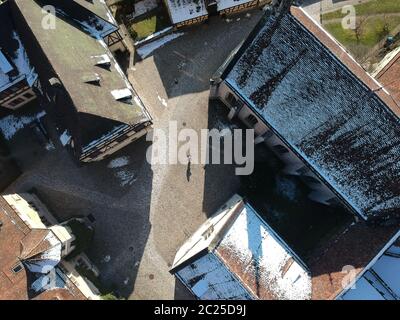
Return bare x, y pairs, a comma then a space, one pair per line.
306, 22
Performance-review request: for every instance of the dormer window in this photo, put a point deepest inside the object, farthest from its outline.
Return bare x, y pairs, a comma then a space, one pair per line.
122, 94
17, 268
102, 60
91, 78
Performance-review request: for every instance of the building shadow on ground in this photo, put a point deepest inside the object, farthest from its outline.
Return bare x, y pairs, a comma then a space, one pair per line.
113, 196
186, 64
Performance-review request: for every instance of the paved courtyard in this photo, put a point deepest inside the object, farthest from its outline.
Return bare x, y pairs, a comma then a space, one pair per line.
141, 213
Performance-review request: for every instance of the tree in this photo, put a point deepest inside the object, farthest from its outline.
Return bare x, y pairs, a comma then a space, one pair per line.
359, 28
385, 26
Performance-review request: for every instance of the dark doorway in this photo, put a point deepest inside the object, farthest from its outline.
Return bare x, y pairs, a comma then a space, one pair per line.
212, 8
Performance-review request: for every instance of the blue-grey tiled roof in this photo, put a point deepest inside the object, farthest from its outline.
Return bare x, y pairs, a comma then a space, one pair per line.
335, 122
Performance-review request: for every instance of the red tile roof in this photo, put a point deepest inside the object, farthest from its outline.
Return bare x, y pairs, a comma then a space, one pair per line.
13, 286
344, 57
355, 246
359, 243
389, 77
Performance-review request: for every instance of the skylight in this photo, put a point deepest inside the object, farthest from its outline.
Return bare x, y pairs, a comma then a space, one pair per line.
122, 94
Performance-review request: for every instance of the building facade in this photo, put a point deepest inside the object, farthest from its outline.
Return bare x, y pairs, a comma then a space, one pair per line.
186, 12
189, 12
17, 75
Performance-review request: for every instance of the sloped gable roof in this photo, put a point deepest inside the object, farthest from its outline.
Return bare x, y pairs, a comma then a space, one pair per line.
322, 104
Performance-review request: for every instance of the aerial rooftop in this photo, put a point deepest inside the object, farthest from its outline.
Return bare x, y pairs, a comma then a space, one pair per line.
87, 70
14, 62
380, 281
182, 10
325, 107
388, 75
235, 254
98, 7
39, 251
92, 16
244, 259
225, 4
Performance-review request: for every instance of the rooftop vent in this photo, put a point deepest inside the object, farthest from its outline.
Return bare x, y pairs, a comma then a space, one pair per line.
102, 60
5, 65
122, 94
91, 78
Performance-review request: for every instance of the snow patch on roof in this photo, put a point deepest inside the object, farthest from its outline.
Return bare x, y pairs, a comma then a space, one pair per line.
94, 26
182, 10
249, 261
225, 4
65, 138
209, 279
22, 63
120, 94
48, 259
324, 113
254, 248
143, 7
102, 59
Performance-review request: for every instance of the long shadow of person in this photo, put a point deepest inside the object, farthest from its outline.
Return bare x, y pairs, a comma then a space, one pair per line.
188, 171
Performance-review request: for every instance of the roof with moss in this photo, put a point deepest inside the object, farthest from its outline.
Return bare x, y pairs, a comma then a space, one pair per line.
76, 54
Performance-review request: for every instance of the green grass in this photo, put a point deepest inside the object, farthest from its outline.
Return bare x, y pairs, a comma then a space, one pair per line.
143, 28
368, 8
373, 33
